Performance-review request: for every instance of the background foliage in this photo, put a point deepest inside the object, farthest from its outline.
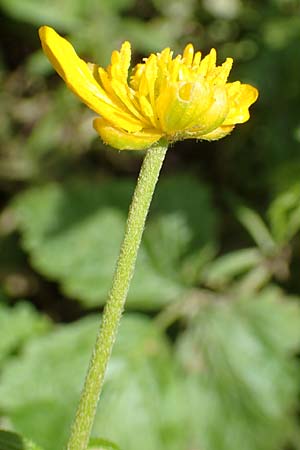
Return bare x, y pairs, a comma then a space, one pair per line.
207, 352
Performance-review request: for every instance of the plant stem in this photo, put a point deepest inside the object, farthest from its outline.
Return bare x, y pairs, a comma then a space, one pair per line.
138, 210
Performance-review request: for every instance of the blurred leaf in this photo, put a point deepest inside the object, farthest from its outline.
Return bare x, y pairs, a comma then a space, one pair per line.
243, 381
115, 5
39, 390
194, 266
255, 279
151, 36
18, 324
186, 195
228, 9
284, 214
166, 240
13, 441
224, 269
73, 234
256, 227
51, 130
101, 444
175, 8
65, 15
280, 31
69, 15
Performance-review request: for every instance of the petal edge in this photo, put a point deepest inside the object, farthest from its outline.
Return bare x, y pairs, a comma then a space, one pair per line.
123, 140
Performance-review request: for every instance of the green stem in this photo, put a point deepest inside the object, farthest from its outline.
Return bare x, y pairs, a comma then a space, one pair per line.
140, 204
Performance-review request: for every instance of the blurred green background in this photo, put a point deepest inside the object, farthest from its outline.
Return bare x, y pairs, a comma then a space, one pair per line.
207, 353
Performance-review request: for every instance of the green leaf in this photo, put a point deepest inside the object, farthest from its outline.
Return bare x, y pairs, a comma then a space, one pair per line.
166, 240
13, 441
242, 380
69, 15
253, 281
17, 325
284, 214
64, 15
101, 444
225, 268
76, 230
256, 227
40, 389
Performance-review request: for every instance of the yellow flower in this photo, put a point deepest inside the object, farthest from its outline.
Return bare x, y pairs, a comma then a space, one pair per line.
185, 97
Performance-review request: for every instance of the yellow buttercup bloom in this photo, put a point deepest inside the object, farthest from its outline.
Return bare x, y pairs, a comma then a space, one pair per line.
185, 97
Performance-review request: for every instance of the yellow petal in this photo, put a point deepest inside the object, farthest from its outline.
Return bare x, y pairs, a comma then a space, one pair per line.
123, 93
188, 55
240, 97
208, 63
181, 105
150, 75
220, 74
120, 62
213, 117
197, 59
147, 109
217, 134
79, 78
123, 140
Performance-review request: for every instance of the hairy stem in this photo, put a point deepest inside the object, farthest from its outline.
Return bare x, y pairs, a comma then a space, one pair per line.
138, 210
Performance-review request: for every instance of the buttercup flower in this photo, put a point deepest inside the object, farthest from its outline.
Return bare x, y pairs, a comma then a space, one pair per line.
185, 97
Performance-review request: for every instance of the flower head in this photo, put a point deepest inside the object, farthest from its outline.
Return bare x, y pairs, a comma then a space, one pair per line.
185, 97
